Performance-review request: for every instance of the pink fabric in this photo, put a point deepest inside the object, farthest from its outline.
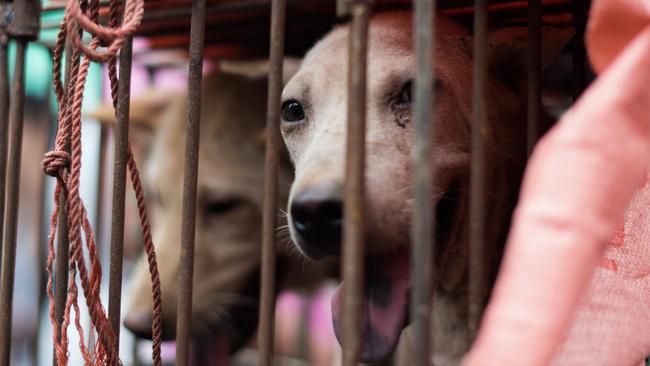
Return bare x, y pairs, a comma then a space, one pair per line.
577, 188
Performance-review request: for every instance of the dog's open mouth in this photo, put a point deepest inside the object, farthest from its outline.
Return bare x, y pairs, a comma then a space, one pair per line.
387, 285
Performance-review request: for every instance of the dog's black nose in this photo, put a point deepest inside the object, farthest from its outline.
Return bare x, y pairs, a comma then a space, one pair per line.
316, 216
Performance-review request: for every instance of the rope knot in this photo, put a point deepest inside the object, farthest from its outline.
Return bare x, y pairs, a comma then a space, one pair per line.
54, 161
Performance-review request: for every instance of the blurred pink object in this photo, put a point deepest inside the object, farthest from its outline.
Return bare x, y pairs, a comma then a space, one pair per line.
306, 315
322, 340
289, 314
577, 189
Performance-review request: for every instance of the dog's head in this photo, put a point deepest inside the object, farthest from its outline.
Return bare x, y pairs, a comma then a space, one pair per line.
231, 162
314, 114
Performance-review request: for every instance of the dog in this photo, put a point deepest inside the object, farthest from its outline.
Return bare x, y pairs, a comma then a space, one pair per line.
228, 234
314, 109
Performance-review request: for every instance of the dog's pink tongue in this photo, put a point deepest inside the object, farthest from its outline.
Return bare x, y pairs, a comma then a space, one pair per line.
386, 305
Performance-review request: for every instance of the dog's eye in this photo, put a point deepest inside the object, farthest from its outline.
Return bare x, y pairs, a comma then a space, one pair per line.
292, 111
220, 207
404, 98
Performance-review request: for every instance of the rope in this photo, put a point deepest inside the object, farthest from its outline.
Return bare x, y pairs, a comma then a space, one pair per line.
82, 16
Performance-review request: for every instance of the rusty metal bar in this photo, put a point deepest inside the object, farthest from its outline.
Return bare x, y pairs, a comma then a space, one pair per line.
354, 227
4, 110
477, 280
41, 239
534, 72
101, 186
119, 190
423, 214
61, 266
23, 27
579, 53
269, 220
11, 209
192, 129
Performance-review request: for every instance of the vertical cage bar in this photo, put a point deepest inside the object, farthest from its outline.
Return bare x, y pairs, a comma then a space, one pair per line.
101, 186
40, 250
534, 72
4, 113
579, 53
61, 265
61, 268
119, 190
192, 130
354, 230
11, 209
269, 220
477, 278
423, 214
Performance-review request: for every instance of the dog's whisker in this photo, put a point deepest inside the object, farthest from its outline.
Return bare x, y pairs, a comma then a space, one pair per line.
282, 235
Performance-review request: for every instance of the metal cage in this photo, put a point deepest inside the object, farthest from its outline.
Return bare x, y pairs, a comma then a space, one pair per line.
23, 27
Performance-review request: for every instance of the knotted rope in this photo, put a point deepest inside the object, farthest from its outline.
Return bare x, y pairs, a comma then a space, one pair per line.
82, 16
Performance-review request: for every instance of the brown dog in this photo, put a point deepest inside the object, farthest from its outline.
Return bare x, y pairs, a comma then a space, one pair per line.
225, 303
314, 128
231, 161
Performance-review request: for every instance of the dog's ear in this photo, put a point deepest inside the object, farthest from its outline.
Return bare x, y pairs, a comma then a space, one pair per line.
145, 110
291, 66
508, 43
508, 52
146, 113
258, 68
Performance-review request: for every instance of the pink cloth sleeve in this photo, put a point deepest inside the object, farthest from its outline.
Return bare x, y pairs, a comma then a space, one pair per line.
579, 182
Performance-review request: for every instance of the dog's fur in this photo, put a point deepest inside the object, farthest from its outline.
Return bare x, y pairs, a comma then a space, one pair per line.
317, 144
227, 239
231, 162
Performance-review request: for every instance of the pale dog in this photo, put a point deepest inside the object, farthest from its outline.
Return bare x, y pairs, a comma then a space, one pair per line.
227, 240
231, 161
314, 128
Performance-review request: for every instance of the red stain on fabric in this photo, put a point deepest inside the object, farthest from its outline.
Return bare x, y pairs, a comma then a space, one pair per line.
609, 264
619, 236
